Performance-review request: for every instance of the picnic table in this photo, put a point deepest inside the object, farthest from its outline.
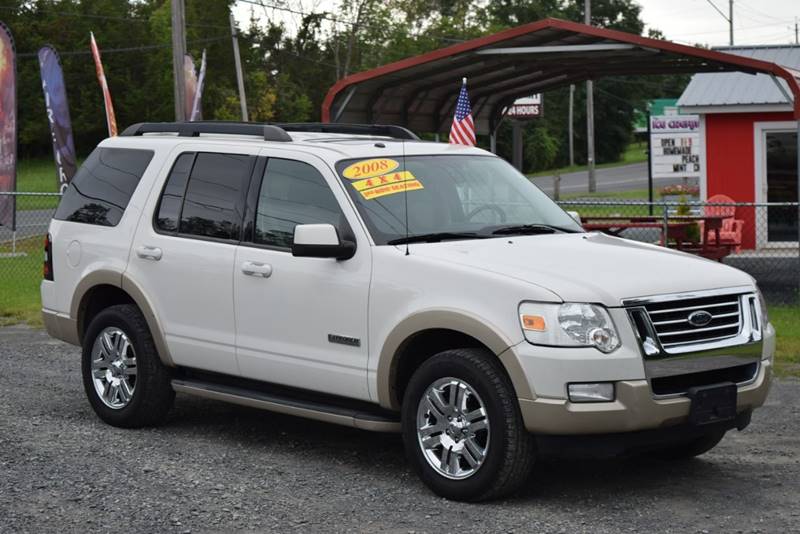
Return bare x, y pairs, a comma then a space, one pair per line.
676, 228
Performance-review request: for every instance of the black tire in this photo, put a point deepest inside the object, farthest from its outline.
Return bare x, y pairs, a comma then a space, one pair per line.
152, 395
510, 454
690, 449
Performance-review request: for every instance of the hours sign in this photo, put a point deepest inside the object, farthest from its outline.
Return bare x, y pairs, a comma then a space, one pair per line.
677, 146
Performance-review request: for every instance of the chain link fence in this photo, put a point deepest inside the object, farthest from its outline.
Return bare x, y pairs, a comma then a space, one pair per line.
22, 250
760, 239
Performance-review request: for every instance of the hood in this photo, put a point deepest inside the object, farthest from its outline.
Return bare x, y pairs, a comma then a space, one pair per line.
589, 267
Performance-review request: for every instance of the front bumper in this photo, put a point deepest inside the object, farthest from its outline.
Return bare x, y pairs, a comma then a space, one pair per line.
634, 409
546, 409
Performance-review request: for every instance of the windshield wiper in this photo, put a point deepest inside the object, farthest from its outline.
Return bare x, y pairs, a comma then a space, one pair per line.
531, 229
434, 237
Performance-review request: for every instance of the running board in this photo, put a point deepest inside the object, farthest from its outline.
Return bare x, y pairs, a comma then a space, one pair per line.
357, 418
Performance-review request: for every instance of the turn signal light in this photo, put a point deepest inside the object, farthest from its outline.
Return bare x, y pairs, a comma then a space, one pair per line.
533, 322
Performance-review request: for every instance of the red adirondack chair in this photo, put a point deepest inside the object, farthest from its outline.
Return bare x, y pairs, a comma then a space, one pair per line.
731, 232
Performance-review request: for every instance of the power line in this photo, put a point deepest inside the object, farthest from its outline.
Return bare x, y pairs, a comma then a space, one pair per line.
761, 14
323, 15
724, 16
97, 17
772, 25
105, 51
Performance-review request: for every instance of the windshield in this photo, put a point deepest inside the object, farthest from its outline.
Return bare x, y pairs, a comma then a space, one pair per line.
449, 197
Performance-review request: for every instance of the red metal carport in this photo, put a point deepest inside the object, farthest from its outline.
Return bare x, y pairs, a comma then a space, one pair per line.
420, 92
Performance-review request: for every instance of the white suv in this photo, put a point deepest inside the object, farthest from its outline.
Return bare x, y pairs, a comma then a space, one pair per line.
358, 276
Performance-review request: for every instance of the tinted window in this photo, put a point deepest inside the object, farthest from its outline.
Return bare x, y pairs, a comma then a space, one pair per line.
169, 207
102, 187
214, 197
292, 193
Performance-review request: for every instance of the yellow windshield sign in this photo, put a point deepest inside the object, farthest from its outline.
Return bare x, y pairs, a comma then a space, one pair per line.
387, 184
370, 168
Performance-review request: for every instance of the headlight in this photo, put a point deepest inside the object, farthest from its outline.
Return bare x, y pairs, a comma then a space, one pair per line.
569, 325
762, 304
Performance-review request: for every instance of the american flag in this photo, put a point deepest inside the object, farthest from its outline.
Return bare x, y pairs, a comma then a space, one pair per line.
463, 130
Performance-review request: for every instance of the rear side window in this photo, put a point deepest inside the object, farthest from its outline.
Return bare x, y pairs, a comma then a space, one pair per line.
169, 208
102, 188
211, 204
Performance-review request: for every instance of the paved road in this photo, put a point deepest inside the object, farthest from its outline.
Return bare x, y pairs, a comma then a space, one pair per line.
624, 178
215, 467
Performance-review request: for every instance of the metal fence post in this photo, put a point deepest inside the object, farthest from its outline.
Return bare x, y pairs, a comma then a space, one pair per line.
665, 230
556, 186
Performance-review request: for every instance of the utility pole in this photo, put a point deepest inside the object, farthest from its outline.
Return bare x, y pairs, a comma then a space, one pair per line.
238, 62
730, 18
516, 144
590, 113
796, 36
178, 53
571, 137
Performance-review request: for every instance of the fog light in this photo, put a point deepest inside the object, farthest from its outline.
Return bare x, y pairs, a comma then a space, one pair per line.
597, 392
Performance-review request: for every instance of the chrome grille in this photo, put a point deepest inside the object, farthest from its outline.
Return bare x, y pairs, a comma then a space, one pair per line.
670, 320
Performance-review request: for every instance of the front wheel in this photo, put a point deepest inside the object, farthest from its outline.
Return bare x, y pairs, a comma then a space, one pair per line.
462, 429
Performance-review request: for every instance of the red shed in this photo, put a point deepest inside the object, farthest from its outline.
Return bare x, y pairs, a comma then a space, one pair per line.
751, 142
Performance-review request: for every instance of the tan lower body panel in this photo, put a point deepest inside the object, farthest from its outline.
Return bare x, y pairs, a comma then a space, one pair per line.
318, 415
634, 409
61, 327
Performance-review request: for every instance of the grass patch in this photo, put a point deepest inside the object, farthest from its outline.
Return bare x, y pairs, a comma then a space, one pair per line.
786, 320
19, 287
36, 176
619, 210
634, 153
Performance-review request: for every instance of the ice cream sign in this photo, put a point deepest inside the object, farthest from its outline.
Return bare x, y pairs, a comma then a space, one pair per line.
677, 144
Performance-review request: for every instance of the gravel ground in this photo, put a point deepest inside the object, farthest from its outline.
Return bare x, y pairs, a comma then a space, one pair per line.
216, 468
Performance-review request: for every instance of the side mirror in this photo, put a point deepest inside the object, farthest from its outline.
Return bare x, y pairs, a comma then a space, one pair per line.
575, 216
320, 241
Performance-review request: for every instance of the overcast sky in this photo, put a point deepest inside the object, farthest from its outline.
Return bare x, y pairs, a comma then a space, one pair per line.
683, 21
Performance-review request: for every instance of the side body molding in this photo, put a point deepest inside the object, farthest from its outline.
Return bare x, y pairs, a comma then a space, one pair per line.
446, 319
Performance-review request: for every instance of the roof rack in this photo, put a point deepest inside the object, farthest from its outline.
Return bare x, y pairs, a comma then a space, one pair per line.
193, 129
270, 132
381, 130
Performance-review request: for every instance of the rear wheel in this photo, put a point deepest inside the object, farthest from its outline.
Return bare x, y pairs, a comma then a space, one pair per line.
462, 429
124, 379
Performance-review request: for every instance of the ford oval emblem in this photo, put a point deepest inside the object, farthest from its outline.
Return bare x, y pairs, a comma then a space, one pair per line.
700, 318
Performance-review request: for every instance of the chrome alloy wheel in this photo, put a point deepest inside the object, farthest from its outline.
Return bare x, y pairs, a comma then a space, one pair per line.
113, 368
453, 428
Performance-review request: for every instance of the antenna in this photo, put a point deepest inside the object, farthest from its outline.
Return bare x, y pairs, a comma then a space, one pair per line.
405, 189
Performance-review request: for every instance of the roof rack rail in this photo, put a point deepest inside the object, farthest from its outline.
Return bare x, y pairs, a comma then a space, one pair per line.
270, 132
382, 130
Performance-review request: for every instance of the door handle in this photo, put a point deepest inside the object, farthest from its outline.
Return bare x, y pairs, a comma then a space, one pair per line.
252, 268
149, 253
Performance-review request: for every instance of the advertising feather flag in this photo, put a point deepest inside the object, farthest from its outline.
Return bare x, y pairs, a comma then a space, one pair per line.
197, 108
190, 85
55, 101
8, 127
101, 77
